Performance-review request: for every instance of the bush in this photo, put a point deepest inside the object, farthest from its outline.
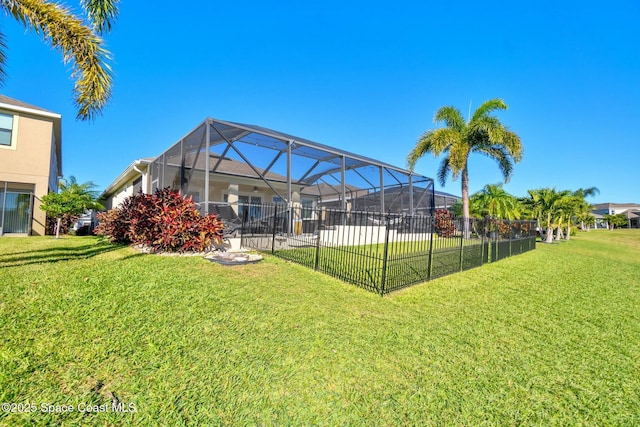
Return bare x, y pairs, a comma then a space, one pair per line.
504, 228
66, 224
164, 221
444, 223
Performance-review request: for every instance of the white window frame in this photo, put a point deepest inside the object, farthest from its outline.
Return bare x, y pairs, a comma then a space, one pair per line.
14, 131
252, 205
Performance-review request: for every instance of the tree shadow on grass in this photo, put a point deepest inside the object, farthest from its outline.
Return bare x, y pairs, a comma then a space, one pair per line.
57, 254
136, 255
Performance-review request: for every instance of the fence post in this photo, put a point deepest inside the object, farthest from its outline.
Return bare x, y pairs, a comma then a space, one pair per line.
510, 233
484, 230
273, 232
317, 263
385, 255
243, 224
431, 228
465, 226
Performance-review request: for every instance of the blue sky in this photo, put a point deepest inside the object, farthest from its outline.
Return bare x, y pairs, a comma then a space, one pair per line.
363, 76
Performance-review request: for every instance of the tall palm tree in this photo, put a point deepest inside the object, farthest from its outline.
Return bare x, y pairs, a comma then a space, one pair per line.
483, 133
494, 201
77, 39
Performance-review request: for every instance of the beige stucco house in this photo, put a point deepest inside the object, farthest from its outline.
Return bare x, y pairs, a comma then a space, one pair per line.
30, 164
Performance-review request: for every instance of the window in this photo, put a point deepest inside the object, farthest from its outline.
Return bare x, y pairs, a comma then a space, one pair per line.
6, 127
254, 203
137, 185
307, 209
195, 196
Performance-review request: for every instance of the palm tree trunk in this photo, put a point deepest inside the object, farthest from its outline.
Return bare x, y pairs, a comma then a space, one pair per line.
549, 235
58, 221
465, 203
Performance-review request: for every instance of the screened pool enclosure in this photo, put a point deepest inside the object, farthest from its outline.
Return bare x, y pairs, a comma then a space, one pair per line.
246, 167
364, 221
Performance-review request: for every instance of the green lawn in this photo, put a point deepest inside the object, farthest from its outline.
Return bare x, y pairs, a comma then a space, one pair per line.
550, 337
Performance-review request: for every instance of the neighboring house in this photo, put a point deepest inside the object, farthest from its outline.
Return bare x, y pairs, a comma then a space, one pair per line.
30, 164
242, 165
630, 210
133, 179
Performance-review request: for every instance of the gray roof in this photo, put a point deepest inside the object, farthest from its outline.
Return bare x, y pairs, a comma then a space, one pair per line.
10, 101
225, 166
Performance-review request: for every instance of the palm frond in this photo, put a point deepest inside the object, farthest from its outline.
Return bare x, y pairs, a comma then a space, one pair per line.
458, 157
513, 144
422, 147
443, 171
501, 155
488, 107
434, 141
78, 44
3, 59
452, 118
102, 13
587, 192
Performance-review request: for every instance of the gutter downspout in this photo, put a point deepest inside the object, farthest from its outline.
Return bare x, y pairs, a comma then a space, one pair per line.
142, 175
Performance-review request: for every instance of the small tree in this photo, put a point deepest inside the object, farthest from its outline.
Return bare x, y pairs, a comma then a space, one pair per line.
619, 220
72, 200
495, 202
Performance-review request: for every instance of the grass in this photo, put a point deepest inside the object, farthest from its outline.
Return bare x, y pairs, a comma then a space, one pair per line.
550, 337
406, 263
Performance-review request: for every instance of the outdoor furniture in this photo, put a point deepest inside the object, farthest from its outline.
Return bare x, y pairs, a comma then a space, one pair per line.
231, 220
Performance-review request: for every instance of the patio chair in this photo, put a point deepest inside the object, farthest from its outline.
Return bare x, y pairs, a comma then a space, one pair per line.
231, 220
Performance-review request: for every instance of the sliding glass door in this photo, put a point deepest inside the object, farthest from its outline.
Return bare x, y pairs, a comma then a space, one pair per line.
16, 207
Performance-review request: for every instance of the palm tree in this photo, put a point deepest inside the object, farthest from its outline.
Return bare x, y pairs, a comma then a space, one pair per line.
615, 220
483, 133
586, 220
565, 208
71, 201
580, 208
85, 192
546, 205
77, 39
495, 202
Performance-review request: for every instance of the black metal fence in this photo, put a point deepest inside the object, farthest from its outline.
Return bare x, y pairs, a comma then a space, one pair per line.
379, 252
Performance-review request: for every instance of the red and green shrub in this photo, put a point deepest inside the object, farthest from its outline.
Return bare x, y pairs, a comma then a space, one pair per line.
164, 221
444, 224
504, 228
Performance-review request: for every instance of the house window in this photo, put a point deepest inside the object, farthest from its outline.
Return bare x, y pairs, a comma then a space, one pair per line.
307, 209
137, 185
254, 203
195, 196
6, 128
